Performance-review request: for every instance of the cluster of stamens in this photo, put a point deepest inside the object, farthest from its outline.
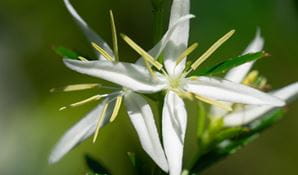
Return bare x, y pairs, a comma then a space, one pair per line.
175, 83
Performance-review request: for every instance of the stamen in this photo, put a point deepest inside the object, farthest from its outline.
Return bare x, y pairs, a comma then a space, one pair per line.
114, 36
142, 52
100, 121
75, 87
103, 52
211, 50
116, 108
183, 94
188, 51
93, 98
82, 59
213, 102
148, 66
250, 78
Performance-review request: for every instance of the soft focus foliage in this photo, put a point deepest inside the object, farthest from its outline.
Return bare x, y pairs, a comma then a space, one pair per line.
30, 122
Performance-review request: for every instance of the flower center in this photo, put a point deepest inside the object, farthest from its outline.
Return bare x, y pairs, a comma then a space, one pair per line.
175, 82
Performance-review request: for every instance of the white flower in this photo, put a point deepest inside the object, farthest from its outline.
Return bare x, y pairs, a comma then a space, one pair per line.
142, 78
131, 77
248, 113
207, 89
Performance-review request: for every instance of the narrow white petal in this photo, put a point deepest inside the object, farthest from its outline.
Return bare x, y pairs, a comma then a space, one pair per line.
248, 114
288, 93
179, 40
89, 33
158, 48
252, 112
237, 74
79, 132
223, 90
142, 119
134, 77
174, 120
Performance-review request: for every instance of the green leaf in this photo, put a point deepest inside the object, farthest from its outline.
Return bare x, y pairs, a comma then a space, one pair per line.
95, 166
229, 64
238, 141
64, 52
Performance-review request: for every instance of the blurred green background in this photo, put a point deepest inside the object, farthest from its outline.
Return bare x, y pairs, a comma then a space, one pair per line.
30, 123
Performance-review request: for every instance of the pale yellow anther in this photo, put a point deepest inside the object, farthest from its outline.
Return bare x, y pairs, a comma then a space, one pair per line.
213, 102
142, 52
211, 50
100, 121
93, 98
116, 108
251, 77
188, 51
75, 87
82, 59
114, 36
103, 52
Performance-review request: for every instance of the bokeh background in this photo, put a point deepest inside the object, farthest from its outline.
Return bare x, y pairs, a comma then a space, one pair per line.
30, 123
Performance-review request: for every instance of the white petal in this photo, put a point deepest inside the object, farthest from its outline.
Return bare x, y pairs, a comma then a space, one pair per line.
79, 132
134, 77
248, 114
288, 93
158, 48
252, 112
142, 119
174, 120
237, 74
223, 90
179, 40
89, 33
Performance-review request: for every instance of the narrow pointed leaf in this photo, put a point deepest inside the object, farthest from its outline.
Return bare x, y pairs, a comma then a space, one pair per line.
66, 53
229, 64
237, 74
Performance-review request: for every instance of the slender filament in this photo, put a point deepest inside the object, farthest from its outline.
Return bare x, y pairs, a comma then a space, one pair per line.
213, 102
188, 51
211, 50
103, 52
116, 108
76, 87
100, 121
142, 52
93, 98
82, 59
114, 36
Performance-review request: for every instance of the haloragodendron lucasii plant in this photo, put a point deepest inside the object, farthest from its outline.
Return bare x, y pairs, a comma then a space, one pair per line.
231, 111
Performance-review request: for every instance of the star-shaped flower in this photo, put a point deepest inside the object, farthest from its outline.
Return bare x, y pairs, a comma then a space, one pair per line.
132, 78
215, 91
